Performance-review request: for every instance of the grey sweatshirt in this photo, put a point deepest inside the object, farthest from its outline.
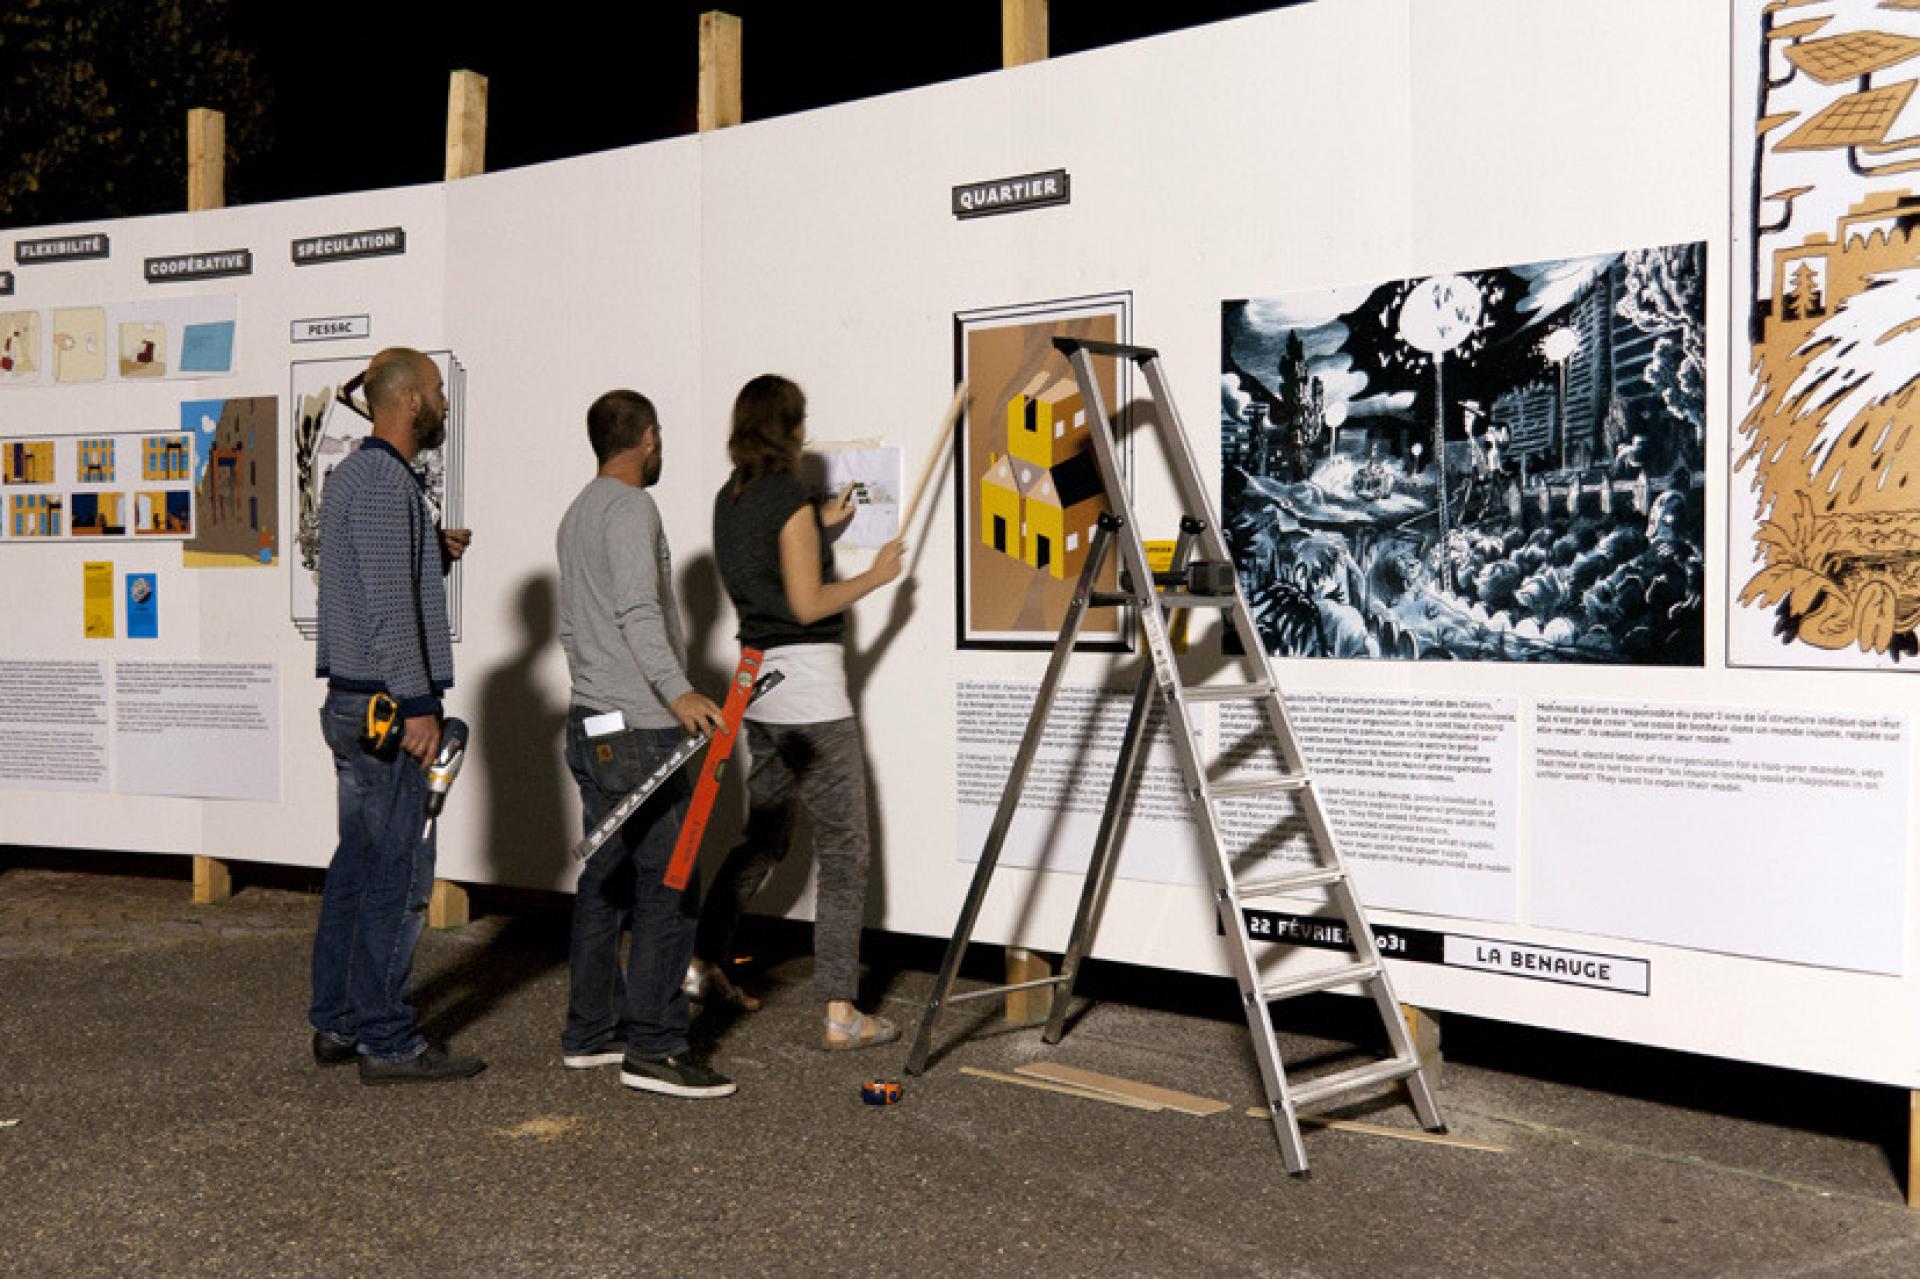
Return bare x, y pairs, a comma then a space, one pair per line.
618, 621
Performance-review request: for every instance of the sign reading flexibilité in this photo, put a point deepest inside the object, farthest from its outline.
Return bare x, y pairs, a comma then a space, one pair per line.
200, 266
1012, 195
348, 246
60, 248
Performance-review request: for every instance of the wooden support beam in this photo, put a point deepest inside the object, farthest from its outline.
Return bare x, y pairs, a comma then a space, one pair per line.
1913, 1150
1023, 32
466, 125
1025, 1007
1425, 1029
212, 881
206, 159
447, 908
719, 71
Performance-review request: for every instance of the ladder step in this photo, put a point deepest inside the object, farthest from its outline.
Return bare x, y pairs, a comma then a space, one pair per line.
1229, 692
1323, 979
1180, 599
1110, 599
1281, 885
1377, 1072
991, 992
1259, 786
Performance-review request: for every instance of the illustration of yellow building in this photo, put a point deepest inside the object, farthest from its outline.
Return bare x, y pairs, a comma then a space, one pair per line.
1002, 507
1040, 500
27, 462
1063, 505
35, 515
166, 457
1046, 422
96, 460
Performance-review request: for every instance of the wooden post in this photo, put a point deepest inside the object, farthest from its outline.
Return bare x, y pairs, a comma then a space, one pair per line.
207, 189
1913, 1150
1424, 1027
466, 158
719, 71
206, 160
212, 881
1025, 1007
1023, 32
466, 125
447, 908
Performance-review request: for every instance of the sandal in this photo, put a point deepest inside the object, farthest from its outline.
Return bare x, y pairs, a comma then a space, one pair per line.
862, 1032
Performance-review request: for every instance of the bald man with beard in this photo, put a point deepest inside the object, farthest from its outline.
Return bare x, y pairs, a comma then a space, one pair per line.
383, 629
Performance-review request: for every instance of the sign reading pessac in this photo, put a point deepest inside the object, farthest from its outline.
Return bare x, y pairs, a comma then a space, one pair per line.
1012, 195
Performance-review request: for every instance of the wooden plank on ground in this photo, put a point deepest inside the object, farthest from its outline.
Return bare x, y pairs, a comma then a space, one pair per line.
1087, 1094
1381, 1130
1185, 1102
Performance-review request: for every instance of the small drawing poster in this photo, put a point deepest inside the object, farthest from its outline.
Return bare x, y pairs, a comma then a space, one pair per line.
873, 472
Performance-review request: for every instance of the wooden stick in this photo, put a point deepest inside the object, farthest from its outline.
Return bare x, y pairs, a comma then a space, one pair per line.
1185, 1102
1087, 1094
1381, 1130
933, 455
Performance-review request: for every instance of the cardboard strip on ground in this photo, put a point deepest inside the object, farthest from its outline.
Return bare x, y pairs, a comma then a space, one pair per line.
1131, 1103
1184, 1102
1381, 1130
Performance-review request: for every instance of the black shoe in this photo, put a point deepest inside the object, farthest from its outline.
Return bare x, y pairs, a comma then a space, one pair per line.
432, 1066
675, 1076
328, 1050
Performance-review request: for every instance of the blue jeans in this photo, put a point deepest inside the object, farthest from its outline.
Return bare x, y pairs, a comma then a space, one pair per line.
378, 883
620, 887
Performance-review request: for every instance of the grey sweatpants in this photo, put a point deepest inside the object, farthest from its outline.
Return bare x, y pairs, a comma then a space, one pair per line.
817, 769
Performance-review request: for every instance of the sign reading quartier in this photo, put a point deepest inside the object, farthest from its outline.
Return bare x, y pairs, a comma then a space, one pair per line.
1012, 195
60, 248
349, 246
200, 266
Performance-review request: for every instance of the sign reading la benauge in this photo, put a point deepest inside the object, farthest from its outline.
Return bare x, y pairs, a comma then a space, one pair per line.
200, 266
60, 248
1012, 195
349, 246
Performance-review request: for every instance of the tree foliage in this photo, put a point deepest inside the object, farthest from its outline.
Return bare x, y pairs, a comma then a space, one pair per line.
94, 97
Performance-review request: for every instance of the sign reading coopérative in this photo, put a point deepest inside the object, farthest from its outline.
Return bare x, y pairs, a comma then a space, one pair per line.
349, 246
200, 266
60, 248
1012, 195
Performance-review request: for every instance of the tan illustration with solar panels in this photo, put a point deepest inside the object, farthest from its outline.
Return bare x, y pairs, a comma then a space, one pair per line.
1827, 445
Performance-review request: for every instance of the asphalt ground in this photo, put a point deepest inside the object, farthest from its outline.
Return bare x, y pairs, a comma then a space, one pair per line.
160, 1115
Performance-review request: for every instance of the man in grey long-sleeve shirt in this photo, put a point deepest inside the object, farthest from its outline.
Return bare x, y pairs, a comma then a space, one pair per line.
631, 699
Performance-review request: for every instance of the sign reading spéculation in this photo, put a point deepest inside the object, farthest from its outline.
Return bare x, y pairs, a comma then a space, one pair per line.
60, 248
200, 266
1012, 195
349, 246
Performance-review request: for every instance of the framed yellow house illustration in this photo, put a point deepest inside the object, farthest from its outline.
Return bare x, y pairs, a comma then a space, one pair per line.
1030, 488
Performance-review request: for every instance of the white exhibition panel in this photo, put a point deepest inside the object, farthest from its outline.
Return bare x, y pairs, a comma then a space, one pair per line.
1327, 144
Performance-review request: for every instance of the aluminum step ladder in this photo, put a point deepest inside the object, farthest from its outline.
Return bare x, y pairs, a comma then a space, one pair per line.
1201, 576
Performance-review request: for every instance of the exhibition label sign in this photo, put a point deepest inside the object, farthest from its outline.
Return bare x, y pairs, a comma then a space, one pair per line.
6, 284
333, 328
60, 248
349, 246
1012, 195
200, 266
1617, 973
